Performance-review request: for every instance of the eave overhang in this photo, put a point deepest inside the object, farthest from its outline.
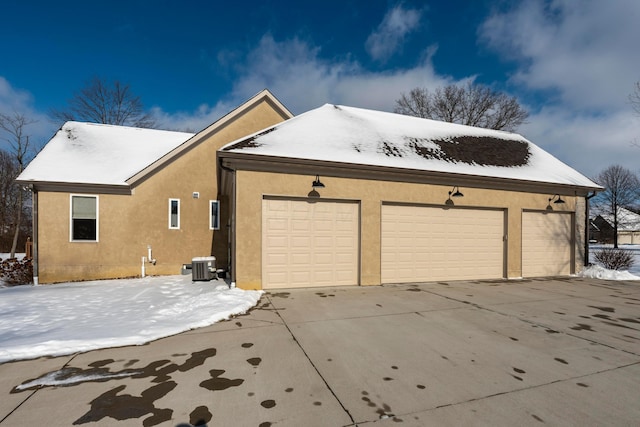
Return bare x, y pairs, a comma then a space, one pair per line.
265, 163
75, 187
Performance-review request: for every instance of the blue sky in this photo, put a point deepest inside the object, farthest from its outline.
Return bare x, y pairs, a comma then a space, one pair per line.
572, 63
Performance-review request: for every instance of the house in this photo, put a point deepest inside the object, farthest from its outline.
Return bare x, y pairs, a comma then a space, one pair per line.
335, 196
628, 227
113, 201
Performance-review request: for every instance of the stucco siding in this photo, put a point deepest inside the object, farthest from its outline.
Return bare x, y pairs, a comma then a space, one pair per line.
252, 186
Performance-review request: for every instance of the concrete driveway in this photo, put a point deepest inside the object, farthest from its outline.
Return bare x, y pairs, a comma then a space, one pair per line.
528, 352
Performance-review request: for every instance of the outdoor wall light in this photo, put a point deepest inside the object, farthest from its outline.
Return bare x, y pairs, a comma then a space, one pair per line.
557, 200
317, 183
455, 192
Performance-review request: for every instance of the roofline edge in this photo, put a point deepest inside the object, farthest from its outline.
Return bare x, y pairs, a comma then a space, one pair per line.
77, 187
216, 126
387, 173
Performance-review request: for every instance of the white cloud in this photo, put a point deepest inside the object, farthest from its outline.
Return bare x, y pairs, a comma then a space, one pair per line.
388, 37
12, 101
586, 50
294, 71
187, 121
581, 58
587, 143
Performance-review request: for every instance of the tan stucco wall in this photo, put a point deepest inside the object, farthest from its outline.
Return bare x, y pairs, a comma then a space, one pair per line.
129, 223
252, 186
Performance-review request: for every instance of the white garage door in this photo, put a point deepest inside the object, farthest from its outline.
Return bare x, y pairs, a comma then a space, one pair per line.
547, 240
309, 244
431, 243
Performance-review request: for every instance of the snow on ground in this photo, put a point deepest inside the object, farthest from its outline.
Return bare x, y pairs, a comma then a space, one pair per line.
598, 272
54, 320
66, 318
5, 255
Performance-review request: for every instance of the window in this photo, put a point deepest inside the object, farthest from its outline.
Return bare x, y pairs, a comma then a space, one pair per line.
214, 210
174, 213
84, 218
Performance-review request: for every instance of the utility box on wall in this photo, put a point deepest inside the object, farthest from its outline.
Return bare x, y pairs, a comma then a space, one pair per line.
203, 268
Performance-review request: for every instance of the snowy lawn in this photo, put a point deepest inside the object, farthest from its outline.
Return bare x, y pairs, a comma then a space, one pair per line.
54, 320
598, 272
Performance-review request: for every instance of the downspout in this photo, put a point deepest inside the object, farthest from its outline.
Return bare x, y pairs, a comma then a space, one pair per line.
231, 257
587, 227
34, 225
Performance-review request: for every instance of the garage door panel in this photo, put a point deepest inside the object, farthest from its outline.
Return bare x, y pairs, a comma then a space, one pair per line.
302, 277
547, 242
299, 226
296, 241
430, 243
323, 260
299, 259
309, 244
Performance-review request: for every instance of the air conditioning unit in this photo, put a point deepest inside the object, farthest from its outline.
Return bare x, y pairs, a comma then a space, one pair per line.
203, 268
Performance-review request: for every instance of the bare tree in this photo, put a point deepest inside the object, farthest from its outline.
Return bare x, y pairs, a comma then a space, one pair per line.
102, 102
471, 104
634, 98
621, 189
9, 197
14, 128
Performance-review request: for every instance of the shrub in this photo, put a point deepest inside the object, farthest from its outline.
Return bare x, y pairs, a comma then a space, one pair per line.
614, 259
16, 272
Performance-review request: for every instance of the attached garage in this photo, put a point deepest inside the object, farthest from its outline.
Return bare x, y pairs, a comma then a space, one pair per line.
397, 199
424, 243
547, 242
309, 243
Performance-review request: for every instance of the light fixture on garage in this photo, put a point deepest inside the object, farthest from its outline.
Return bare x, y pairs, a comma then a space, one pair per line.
455, 192
557, 200
317, 183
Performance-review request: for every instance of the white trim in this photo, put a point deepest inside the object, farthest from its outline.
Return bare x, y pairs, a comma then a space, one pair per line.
213, 226
169, 216
95, 196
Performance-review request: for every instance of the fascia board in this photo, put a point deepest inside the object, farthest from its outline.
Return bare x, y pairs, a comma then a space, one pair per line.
264, 163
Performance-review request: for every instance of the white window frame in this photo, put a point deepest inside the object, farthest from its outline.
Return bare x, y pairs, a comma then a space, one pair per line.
213, 226
169, 209
95, 196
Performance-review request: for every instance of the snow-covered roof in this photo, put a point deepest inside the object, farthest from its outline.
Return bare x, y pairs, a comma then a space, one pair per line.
89, 153
358, 136
627, 220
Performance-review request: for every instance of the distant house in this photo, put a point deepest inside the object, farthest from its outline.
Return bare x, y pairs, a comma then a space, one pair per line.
335, 196
628, 227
